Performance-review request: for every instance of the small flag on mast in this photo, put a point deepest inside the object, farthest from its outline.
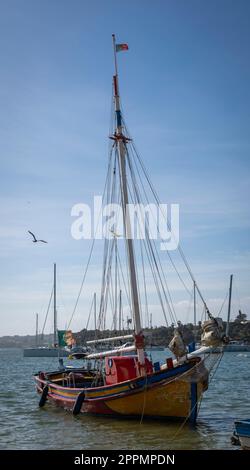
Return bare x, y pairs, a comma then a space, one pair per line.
121, 47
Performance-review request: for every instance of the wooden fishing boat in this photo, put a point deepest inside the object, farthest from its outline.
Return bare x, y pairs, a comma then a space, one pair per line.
173, 392
125, 382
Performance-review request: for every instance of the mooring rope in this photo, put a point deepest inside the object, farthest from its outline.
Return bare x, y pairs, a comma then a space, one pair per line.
197, 403
144, 400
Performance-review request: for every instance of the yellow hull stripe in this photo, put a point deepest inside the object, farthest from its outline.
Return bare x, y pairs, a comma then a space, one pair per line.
172, 399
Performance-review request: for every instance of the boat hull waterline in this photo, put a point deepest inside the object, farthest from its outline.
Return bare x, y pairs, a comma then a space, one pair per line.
44, 352
173, 393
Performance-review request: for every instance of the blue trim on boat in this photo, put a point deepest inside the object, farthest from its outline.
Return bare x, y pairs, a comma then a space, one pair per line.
62, 397
162, 375
243, 427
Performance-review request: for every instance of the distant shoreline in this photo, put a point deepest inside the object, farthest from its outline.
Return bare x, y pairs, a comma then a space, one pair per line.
157, 336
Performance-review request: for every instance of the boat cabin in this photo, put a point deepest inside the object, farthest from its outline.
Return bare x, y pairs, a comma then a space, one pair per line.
121, 368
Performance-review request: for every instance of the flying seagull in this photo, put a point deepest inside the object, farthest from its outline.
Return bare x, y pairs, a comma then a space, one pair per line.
115, 235
35, 239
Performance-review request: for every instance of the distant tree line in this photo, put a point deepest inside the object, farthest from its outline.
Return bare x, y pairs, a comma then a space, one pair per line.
239, 330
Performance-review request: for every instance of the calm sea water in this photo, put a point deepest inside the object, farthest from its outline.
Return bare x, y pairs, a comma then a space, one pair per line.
25, 426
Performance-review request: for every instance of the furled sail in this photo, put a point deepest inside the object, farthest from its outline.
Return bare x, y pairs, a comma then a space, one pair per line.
177, 345
212, 332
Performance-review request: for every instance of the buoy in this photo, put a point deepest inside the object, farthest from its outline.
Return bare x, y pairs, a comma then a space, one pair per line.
44, 396
78, 403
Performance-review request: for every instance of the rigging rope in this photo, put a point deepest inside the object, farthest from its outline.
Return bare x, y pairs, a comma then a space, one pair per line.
145, 289
167, 221
150, 248
46, 316
127, 291
154, 251
223, 303
90, 254
198, 402
147, 199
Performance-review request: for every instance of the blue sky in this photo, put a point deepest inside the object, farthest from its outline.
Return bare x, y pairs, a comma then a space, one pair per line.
185, 92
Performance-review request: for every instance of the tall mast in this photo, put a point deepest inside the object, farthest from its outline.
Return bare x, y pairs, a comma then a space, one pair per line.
55, 313
36, 329
194, 311
122, 151
229, 304
115, 314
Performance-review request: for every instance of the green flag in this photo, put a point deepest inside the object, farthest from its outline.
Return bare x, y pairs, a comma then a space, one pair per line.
61, 337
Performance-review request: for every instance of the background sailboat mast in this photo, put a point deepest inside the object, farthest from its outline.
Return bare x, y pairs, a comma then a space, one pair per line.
55, 313
229, 304
195, 311
121, 146
36, 329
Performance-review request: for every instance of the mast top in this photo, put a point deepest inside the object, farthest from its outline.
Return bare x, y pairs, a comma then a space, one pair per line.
118, 48
115, 58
